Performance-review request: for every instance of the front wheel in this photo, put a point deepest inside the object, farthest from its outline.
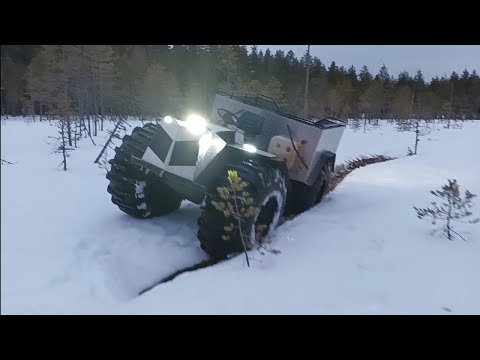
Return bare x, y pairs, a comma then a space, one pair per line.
220, 233
133, 189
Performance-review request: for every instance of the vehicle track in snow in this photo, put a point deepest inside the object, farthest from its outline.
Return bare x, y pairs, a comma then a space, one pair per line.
340, 173
200, 265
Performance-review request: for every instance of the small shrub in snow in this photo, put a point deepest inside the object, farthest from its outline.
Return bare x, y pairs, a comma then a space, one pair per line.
454, 207
7, 162
61, 141
420, 130
237, 203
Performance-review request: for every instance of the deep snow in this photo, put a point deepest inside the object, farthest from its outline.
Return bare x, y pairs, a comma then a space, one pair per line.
67, 249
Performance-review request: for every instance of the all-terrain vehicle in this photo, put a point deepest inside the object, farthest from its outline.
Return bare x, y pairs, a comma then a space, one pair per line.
285, 160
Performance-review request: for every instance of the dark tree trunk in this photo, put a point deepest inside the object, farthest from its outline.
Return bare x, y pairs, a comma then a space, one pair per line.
108, 141
82, 122
69, 132
78, 131
64, 151
95, 120
417, 134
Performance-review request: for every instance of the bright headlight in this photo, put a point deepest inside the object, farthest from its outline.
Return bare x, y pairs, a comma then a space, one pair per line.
208, 142
203, 144
168, 119
196, 124
249, 148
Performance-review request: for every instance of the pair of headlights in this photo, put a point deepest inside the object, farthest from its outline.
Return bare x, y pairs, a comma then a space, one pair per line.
197, 125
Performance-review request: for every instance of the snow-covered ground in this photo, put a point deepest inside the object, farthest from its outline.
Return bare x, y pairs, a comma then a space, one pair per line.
65, 248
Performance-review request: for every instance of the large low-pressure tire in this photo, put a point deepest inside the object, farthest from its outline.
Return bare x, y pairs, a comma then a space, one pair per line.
268, 189
134, 189
304, 197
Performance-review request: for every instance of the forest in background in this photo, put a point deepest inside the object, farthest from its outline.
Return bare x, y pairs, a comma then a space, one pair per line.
155, 80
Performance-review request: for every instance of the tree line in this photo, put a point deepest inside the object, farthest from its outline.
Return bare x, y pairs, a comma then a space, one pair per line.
90, 82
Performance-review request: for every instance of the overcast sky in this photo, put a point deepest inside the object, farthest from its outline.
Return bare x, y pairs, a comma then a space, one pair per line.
431, 59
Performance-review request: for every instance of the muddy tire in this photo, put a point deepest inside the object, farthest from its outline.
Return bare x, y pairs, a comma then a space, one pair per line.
305, 197
134, 189
266, 186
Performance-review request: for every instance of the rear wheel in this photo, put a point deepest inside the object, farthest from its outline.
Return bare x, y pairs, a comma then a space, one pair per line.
134, 189
304, 197
266, 187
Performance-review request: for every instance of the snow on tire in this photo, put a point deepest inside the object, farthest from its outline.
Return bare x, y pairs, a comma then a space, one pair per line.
134, 190
266, 185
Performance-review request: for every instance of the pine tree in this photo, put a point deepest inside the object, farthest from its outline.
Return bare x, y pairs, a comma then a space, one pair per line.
67, 59
37, 84
160, 93
268, 66
335, 101
131, 69
63, 109
101, 63
370, 101
253, 62
365, 76
386, 81
272, 88
352, 75
454, 207
12, 85
402, 103
228, 63
318, 95
108, 79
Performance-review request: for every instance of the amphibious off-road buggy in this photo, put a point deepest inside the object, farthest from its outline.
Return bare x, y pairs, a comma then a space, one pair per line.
285, 160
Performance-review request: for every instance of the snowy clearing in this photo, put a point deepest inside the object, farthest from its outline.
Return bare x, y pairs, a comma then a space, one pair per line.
66, 249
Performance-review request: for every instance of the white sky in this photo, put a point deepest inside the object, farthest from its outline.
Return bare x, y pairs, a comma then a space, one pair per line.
431, 59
